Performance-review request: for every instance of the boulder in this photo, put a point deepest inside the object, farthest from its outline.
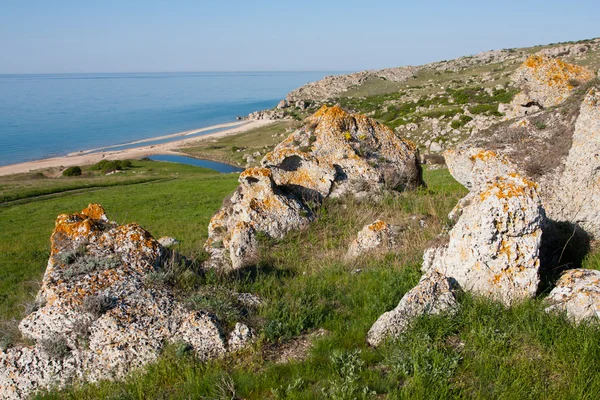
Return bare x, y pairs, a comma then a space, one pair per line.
575, 195
377, 236
367, 155
577, 293
474, 167
282, 104
258, 205
98, 318
300, 172
434, 294
493, 249
544, 82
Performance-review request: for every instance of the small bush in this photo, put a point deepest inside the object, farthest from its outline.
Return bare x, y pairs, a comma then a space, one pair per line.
72, 171
113, 165
89, 263
55, 347
98, 305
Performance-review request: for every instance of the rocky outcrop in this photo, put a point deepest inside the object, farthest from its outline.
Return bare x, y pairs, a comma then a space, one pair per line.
493, 249
574, 195
544, 82
98, 317
434, 294
366, 155
258, 205
334, 153
474, 167
376, 236
335, 85
577, 294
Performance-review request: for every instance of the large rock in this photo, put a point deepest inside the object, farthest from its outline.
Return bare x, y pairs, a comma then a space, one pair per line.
376, 236
98, 318
575, 195
493, 249
435, 294
258, 205
367, 155
334, 153
474, 167
577, 293
544, 82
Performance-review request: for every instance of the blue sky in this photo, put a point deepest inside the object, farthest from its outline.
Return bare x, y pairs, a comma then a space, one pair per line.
196, 35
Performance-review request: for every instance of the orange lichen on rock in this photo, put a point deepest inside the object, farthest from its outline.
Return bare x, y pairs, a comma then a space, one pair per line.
256, 172
555, 72
379, 225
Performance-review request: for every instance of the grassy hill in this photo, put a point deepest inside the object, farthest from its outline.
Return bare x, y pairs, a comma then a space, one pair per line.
317, 307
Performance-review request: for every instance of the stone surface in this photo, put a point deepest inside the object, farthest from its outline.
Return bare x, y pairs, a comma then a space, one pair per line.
256, 206
474, 167
98, 317
434, 294
332, 154
544, 82
240, 337
575, 195
493, 249
376, 236
577, 293
167, 241
367, 155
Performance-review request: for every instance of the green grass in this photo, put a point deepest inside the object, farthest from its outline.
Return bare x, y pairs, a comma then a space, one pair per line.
225, 149
173, 194
486, 351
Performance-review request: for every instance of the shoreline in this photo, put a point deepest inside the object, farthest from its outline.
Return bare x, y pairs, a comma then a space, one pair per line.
93, 156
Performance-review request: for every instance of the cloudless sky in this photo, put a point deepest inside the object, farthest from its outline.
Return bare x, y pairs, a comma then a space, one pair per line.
44, 36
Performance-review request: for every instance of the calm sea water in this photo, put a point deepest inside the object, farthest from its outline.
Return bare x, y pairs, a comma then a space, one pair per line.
56, 114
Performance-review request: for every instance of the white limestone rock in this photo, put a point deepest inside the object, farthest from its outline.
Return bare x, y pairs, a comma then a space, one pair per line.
577, 293
376, 236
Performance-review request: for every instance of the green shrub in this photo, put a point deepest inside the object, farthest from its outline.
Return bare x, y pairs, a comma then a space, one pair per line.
72, 171
113, 165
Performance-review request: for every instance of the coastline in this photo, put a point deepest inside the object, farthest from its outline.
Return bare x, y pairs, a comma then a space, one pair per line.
93, 156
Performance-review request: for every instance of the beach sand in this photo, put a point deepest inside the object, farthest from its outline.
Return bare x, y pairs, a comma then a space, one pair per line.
93, 156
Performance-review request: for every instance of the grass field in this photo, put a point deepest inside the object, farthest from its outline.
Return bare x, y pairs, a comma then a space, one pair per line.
485, 351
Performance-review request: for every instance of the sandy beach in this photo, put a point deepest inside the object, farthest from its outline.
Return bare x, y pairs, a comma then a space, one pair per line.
94, 155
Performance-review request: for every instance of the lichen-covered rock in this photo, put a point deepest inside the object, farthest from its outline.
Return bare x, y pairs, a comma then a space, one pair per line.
367, 155
240, 337
258, 205
575, 195
334, 153
300, 172
98, 317
474, 167
434, 294
577, 293
493, 249
378, 235
544, 82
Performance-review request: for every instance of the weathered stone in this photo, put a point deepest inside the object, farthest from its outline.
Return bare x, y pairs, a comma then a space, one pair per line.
544, 82
99, 319
240, 337
366, 154
167, 241
433, 295
577, 293
493, 248
300, 172
575, 195
256, 206
282, 104
377, 236
474, 167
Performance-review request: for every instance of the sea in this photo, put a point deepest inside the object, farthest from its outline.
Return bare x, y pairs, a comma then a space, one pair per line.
48, 115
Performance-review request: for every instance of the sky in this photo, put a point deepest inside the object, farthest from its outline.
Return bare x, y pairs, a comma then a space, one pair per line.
69, 36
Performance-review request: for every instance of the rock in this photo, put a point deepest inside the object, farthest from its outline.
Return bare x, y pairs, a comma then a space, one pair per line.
575, 195
99, 318
493, 249
240, 337
300, 172
544, 82
474, 167
378, 235
249, 299
258, 205
282, 104
167, 241
301, 104
433, 295
435, 147
332, 154
367, 155
577, 293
